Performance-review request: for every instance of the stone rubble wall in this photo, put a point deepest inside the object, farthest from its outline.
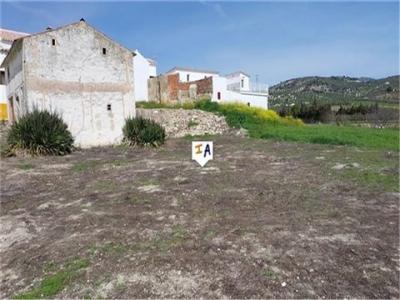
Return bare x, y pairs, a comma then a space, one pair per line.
181, 122
168, 89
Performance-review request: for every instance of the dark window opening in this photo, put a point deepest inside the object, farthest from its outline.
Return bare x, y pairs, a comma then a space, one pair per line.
2, 77
187, 77
109, 107
17, 99
248, 103
242, 83
53, 42
8, 73
104, 51
219, 95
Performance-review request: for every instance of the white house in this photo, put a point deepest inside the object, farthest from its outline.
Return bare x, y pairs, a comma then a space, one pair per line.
241, 88
152, 67
234, 87
143, 68
189, 74
6, 39
238, 81
77, 71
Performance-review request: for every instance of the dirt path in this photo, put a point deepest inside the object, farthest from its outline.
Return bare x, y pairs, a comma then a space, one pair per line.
264, 219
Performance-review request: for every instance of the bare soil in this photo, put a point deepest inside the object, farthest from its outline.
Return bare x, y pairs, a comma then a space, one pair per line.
262, 220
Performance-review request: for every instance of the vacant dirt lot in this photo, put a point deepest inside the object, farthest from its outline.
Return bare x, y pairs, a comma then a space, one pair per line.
264, 219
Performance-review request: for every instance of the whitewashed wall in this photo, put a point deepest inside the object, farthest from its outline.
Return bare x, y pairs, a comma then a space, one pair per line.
219, 86
141, 71
152, 71
3, 91
235, 82
15, 86
77, 80
247, 98
254, 99
192, 75
3, 94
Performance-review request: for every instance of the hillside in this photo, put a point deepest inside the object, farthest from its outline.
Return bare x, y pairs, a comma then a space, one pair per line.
336, 89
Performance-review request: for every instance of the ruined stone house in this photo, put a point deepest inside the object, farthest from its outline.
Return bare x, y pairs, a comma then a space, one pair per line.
78, 72
170, 89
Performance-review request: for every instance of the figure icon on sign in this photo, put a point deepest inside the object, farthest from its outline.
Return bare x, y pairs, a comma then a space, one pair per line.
202, 152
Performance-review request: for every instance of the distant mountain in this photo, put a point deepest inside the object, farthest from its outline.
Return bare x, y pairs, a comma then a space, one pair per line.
336, 89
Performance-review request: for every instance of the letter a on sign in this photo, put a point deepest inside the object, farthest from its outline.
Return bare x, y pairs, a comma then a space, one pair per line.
202, 152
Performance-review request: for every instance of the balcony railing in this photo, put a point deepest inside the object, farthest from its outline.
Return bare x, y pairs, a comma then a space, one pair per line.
258, 87
255, 87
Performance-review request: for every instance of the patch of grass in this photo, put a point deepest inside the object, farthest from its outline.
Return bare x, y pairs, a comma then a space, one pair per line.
123, 147
49, 267
328, 134
119, 162
114, 248
107, 185
376, 169
154, 105
26, 166
374, 179
53, 284
210, 234
163, 243
85, 165
269, 273
120, 286
266, 124
192, 124
190, 137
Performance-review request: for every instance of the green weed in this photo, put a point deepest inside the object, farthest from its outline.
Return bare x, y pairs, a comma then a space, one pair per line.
26, 166
192, 124
53, 284
85, 165
269, 273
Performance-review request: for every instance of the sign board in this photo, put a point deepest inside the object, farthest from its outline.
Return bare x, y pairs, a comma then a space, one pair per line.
202, 152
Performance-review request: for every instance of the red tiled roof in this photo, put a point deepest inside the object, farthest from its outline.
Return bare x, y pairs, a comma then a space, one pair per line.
10, 35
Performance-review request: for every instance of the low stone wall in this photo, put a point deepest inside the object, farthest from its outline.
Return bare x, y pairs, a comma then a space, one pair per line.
181, 122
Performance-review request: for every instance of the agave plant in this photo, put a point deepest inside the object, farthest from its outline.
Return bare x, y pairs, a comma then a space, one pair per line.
41, 133
144, 132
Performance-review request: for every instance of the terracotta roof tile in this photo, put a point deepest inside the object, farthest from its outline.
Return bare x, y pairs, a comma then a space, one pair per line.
10, 35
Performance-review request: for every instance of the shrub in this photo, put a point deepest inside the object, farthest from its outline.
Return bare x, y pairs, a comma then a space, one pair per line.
310, 113
187, 105
362, 109
207, 105
40, 133
144, 132
240, 115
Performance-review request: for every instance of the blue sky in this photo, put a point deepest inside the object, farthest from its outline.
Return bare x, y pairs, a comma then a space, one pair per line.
275, 40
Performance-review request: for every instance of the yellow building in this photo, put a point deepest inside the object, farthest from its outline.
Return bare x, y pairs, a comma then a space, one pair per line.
6, 39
